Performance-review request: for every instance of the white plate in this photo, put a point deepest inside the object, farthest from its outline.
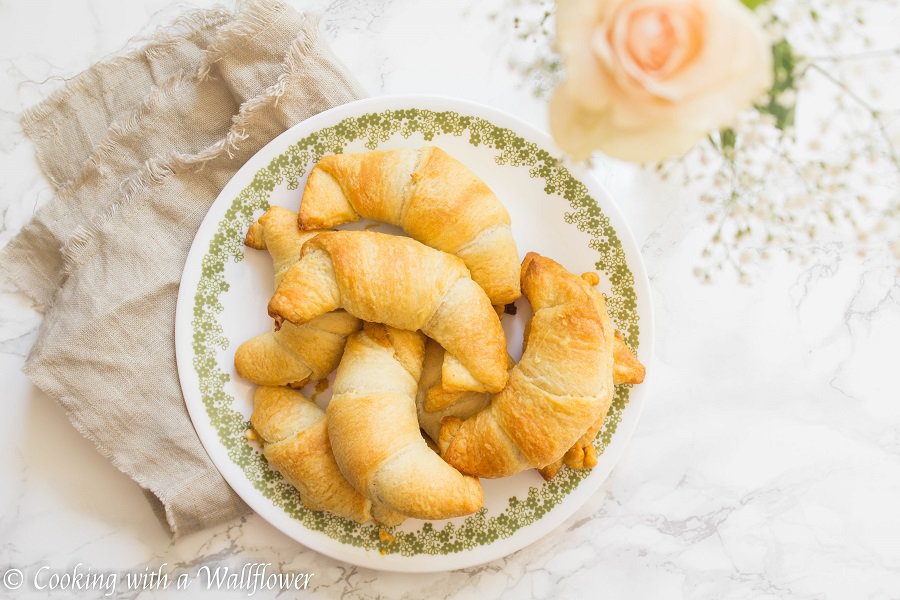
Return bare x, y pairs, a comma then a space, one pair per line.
557, 210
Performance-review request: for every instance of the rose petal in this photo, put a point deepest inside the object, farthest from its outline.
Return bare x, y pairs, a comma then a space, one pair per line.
643, 99
735, 54
684, 27
579, 131
571, 123
575, 20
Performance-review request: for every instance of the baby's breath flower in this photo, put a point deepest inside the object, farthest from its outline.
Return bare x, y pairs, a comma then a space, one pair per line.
769, 186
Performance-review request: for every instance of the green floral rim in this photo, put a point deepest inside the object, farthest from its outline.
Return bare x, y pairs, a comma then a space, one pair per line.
227, 244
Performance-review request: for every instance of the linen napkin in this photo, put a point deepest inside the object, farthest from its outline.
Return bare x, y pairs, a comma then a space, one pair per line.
137, 149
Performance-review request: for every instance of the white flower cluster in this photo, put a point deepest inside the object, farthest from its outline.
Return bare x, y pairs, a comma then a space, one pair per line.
818, 166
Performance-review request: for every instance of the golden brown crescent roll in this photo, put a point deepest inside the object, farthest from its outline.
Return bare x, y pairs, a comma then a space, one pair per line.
626, 369
294, 438
402, 283
434, 402
375, 436
432, 196
556, 391
295, 354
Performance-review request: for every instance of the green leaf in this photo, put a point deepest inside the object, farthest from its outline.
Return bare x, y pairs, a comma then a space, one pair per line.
727, 140
753, 4
784, 63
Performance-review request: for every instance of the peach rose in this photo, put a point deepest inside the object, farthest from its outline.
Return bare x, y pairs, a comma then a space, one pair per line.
647, 79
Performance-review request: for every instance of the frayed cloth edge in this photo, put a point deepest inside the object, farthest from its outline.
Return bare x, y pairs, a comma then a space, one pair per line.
156, 170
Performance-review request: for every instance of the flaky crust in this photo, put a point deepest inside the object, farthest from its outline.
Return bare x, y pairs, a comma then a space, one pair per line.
295, 354
433, 402
294, 437
627, 369
402, 283
556, 391
276, 231
375, 434
432, 196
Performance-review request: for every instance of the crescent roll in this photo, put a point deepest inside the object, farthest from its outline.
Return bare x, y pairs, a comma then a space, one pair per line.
432, 196
402, 283
375, 434
556, 391
294, 438
627, 369
295, 354
434, 402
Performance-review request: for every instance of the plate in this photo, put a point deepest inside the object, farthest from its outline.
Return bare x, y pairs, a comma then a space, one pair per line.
557, 209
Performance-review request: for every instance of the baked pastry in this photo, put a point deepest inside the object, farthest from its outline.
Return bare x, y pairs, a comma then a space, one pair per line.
276, 231
627, 369
295, 354
402, 283
433, 402
626, 366
432, 196
294, 440
563, 382
375, 435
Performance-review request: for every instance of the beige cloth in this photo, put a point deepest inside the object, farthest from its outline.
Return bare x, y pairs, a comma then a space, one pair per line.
137, 149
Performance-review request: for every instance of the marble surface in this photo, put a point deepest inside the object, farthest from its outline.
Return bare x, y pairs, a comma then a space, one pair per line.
767, 461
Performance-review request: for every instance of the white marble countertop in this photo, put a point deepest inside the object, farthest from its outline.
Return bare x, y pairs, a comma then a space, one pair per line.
767, 460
